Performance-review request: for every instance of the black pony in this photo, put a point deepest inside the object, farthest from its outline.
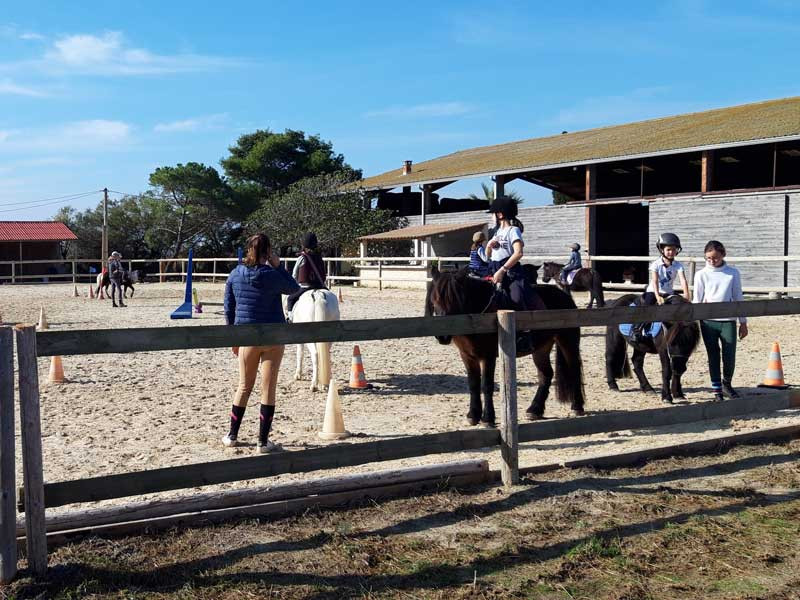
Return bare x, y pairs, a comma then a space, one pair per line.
458, 294
674, 345
586, 280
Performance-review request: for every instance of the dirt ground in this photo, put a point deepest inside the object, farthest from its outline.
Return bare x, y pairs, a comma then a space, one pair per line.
720, 527
139, 411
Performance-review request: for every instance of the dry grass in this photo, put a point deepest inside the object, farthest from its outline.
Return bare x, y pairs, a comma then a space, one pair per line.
722, 526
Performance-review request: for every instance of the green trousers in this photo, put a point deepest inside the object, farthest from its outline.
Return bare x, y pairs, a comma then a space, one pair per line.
716, 334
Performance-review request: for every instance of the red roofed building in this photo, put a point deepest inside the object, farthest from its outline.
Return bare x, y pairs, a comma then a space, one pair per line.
32, 240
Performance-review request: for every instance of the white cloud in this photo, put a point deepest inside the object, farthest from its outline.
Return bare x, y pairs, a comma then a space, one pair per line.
204, 123
30, 36
111, 54
68, 137
440, 109
9, 88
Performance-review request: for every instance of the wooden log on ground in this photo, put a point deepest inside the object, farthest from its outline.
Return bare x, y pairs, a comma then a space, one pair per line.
657, 417
137, 511
8, 482
31, 428
637, 457
102, 341
275, 509
507, 353
135, 483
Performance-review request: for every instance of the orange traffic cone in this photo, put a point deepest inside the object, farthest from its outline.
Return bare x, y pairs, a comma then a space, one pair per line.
91, 292
357, 378
42, 320
774, 375
75, 293
333, 424
341, 300
56, 370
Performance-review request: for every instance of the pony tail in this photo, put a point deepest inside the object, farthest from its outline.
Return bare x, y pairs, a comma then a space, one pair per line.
517, 223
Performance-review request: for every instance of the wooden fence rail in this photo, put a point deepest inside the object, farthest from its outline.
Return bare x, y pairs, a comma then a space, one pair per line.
104, 341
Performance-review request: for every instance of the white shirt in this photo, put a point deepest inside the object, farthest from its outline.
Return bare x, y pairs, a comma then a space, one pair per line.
506, 238
667, 275
718, 284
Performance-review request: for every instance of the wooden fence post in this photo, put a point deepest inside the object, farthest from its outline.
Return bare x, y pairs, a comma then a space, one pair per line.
31, 427
160, 271
380, 276
13, 273
692, 269
74, 273
8, 482
509, 433
214, 271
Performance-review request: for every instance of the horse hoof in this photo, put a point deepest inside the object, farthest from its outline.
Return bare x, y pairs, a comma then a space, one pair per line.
679, 396
488, 425
531, 416
298, 377
666, 400
577, 413
613, 387
472, 422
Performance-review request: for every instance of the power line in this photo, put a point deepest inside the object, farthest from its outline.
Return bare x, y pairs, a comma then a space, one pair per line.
67, 197
121, 193
40, 203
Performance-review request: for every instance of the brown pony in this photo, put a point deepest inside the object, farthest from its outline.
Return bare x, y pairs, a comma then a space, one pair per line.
674, 345
459, 294
586, 280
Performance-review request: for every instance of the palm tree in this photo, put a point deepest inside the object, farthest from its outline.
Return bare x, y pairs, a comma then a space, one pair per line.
488, 194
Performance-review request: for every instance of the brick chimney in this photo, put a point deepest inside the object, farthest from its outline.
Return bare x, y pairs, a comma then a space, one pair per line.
406, 167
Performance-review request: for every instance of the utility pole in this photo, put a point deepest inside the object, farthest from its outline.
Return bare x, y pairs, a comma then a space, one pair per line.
104, 249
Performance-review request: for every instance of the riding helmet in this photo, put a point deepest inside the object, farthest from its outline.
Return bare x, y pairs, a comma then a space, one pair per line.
310, 241
668, 239
574, 246
505, 205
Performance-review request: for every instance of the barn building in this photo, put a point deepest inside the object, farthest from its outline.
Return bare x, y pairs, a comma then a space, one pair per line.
731, 174
29, 241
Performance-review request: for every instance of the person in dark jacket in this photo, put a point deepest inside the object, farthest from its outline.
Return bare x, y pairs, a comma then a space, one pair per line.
253, 295
574, 263
309, 270
115, 273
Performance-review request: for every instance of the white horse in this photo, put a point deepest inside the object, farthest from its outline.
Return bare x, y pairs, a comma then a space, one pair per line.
314, 306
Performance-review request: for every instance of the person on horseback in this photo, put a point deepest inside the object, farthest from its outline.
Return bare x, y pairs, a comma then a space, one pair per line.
574, 262
505, 251
478, 262
663, 273
309, 270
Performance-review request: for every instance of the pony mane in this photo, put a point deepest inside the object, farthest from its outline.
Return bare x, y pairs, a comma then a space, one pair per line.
452, 292
684, 334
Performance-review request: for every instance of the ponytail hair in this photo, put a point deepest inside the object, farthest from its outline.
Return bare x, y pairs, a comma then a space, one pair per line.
715, 246
258, 247
517, 223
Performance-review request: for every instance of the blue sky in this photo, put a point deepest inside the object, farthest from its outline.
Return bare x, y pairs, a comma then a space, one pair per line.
99, 94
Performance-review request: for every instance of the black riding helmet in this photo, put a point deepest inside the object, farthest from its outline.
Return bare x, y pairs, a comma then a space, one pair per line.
668, 239
505, 205
310, 241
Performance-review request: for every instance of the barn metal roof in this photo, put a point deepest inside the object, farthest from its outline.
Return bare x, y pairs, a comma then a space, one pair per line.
35, 231
422, 231
773, 120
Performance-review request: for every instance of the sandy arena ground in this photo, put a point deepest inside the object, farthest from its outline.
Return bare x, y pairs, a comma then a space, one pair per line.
140, 411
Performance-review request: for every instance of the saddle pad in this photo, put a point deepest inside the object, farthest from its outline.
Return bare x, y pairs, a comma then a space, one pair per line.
652, 331
571, 276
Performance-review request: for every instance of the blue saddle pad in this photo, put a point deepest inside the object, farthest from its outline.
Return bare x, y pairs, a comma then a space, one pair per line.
652, 331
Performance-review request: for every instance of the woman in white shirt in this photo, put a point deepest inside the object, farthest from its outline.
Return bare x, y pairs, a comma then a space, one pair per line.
719, 282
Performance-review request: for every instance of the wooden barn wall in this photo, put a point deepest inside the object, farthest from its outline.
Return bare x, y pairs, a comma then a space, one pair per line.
748, 225
548, 229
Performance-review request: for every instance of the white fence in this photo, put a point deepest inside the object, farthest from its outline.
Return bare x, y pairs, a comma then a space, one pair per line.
387, 268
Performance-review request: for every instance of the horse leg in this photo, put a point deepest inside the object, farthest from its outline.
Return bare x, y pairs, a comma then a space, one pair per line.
474, 381
616, 357
678, 369
315, 387
487, 387
638, 367
666, 376
298, 372
544, 370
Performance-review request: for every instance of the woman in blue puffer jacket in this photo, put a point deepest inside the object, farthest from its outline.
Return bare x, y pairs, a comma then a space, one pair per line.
253, 295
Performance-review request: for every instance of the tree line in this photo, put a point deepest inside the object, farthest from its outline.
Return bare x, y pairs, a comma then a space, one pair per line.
284, 184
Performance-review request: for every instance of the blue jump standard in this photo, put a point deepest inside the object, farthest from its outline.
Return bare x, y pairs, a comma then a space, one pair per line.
184, 311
